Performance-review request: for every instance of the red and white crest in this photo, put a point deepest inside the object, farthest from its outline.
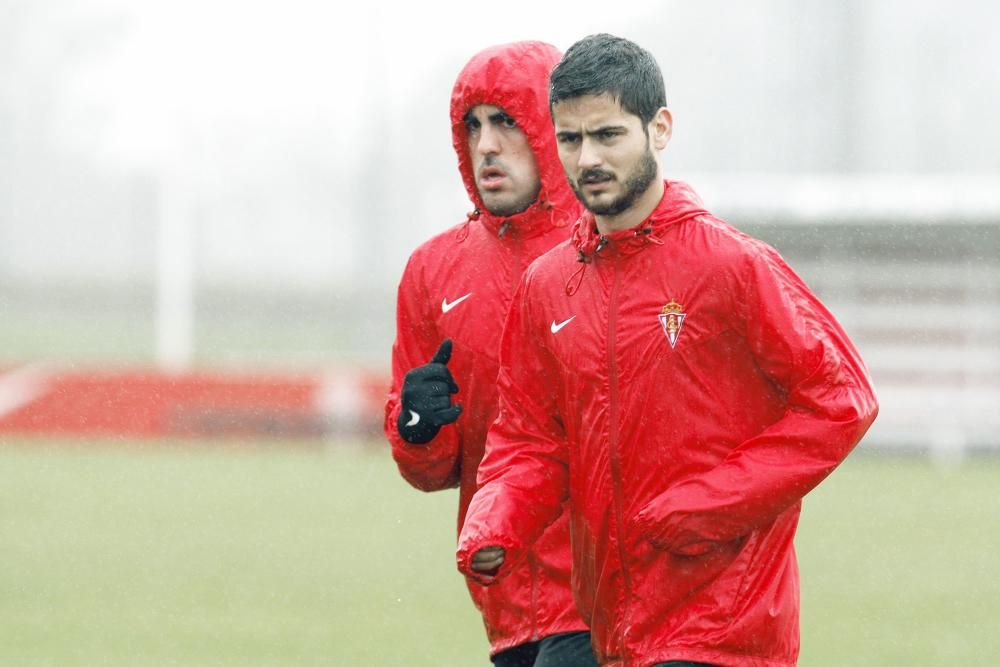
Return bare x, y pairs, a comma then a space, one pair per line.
672, 319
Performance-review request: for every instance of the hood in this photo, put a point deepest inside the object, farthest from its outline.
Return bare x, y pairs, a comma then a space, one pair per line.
514, 77
679, 202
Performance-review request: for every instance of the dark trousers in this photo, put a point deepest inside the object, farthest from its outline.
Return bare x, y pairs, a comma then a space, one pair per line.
567, 649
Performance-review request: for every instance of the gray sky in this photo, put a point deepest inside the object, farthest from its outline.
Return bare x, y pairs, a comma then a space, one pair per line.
295, 127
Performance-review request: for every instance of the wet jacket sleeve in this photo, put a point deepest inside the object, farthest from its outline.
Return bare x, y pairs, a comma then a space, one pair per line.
523, 478
435, 465
830, 404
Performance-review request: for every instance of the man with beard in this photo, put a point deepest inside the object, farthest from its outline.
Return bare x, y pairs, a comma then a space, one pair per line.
677, 382
452, 300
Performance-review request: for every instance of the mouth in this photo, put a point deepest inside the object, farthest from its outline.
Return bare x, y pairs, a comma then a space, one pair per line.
491, 178
596, 182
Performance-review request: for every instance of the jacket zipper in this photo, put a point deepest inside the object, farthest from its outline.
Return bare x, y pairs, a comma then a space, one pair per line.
616, 466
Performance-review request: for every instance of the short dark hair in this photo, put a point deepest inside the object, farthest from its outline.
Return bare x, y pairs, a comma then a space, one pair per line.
605, 64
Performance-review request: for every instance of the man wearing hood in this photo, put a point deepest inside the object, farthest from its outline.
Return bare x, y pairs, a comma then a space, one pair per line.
451, 304
677, 382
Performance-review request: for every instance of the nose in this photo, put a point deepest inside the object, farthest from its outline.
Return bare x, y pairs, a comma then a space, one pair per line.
589, 155
489, 140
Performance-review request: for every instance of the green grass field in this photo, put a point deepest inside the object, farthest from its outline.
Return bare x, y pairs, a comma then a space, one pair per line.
288, 554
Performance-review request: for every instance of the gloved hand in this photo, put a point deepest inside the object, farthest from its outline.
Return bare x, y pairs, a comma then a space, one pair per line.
426, 398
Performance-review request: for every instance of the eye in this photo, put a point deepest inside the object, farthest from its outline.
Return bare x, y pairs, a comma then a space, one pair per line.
471, 123
568, 139
509, 122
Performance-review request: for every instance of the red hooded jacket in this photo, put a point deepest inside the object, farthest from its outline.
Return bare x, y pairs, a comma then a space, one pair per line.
685, 389
458, 285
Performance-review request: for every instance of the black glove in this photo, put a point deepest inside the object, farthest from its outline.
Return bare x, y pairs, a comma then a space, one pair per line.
426, 398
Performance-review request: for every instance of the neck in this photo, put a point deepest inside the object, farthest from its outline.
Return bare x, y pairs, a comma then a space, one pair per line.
632, 216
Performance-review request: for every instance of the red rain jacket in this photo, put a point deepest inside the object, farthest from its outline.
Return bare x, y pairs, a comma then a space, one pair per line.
458, 285
685, 389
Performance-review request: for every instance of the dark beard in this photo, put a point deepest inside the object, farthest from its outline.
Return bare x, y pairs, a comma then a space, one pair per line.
636, 185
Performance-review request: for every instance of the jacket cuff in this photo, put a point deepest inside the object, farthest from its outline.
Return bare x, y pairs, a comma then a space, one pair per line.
513, 554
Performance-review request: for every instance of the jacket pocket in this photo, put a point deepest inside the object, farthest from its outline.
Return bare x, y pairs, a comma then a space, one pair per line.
688, 596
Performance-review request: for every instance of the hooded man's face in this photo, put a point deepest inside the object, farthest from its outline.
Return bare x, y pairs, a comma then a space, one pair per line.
503, 163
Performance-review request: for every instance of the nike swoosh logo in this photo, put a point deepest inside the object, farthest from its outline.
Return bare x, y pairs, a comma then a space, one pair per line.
556, 327
445, 306
414, 419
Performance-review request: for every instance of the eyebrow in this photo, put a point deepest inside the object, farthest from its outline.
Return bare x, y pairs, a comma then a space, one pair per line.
606, 128
595, 131
496, 117
500, 116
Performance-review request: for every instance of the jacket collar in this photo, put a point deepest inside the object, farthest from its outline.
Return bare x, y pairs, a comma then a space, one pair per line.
539, 218
679, 202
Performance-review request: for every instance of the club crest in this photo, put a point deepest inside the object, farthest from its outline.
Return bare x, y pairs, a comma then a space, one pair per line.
672, 319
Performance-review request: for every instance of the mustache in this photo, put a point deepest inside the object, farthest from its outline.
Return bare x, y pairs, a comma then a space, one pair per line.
491, 161
595, 176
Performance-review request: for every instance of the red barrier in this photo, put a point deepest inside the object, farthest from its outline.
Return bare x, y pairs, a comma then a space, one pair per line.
152, 404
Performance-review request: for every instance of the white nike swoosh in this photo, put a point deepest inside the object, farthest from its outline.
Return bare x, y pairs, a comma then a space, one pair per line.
556, 327
445, 306
414, 420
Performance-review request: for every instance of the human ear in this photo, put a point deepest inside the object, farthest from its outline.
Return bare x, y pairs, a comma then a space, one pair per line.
661, 128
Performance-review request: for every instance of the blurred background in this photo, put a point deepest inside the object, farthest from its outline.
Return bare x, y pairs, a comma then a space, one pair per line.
205, 208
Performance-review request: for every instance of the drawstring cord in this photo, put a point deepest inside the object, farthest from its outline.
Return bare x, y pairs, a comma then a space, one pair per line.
647, 235
575, 280
462, 232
